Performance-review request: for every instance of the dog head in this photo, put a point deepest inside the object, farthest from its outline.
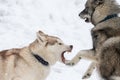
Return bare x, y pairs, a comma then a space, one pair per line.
90, 7
53, 46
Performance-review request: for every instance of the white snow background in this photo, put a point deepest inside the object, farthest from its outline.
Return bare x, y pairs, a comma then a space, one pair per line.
21, 19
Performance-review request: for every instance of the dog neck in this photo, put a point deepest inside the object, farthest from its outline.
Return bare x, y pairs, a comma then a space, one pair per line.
109, 17
36, 56
40, 59
108, 9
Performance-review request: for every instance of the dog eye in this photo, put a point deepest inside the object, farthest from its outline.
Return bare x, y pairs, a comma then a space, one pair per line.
60, 43
96, 36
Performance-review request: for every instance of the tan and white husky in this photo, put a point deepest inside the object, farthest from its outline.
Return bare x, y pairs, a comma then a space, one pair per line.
32, 62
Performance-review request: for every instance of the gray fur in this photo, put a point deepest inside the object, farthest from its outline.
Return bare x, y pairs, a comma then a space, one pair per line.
105, 36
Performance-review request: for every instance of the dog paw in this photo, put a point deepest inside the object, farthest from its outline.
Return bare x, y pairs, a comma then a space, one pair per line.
69, 63
86, 76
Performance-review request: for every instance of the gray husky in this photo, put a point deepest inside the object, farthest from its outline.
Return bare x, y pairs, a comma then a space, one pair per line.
105, 54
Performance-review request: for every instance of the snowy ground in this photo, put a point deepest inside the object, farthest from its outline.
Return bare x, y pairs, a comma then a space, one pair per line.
21, 19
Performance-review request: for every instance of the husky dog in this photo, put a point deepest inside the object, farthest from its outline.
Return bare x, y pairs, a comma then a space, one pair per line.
105, 54
32, 62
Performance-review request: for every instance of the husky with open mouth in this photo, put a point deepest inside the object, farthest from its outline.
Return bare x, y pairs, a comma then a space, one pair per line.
33, 62
105, 54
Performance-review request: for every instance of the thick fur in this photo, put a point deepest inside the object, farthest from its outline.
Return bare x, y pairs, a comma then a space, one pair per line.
106, 39
20, 64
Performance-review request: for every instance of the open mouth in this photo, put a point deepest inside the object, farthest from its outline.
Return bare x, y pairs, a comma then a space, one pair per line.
86, 19
62, 55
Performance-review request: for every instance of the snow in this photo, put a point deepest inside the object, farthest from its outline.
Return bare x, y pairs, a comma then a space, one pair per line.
21, 19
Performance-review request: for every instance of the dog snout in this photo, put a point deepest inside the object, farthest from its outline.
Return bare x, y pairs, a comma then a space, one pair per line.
81, 15
71, 47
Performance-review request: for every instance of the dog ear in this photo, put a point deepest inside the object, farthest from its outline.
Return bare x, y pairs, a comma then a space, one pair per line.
98, 2
41, 37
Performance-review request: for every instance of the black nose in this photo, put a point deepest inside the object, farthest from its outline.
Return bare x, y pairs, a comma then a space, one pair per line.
71, 46
79, 14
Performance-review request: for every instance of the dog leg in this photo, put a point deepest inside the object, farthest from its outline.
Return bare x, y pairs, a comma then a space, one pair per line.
85, 54
9, 68
88, 73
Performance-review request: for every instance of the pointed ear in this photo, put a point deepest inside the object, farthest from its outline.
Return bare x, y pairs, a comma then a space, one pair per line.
98, 2
41, 37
